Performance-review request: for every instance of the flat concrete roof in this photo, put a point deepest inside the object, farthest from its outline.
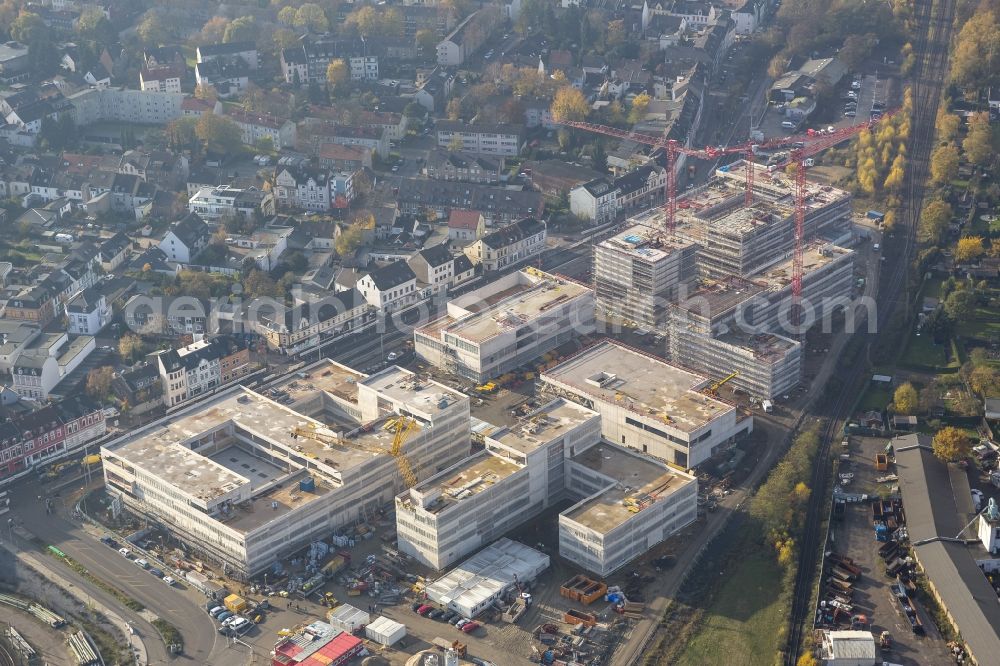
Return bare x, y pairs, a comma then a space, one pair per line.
647, 244
492, 311
417, 392
544, 425
467, 479
644, 384
639, 480
814, 257
327, 376
273, 504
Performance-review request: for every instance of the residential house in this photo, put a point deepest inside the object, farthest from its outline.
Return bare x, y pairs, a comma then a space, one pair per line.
35, 303
15, 337
164, 56
447, 165
391, 287
31, 439
437, 269
305, 64
366, 137
498, 206
467, 37
166, 315
394, 124
161, 79
185, 239
641, 188
499, 140
129, 194
509, 246
434, 88
245, 51
88, 312
195, 107
324, 321
338, 157
465, 226
255, 127
164, 168
303, 187
43, 365
215, 203
202, 367
595, 201
113, 251
229, 78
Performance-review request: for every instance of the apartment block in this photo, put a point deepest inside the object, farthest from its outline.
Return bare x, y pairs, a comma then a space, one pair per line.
245, 480
505, 324
202, 367
508, 246
480, 139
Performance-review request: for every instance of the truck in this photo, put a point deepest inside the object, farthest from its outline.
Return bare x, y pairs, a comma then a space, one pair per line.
840, 574
768, 406
235, 603
331, 568
209, 588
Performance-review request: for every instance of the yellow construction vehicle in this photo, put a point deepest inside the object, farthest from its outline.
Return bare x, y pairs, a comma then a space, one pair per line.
714, 388
488, 387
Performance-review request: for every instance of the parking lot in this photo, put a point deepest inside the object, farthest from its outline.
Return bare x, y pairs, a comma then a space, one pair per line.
854, 536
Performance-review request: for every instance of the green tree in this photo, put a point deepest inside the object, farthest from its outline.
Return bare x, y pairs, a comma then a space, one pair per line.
28, 27
857, 48
95, 27
951, 444
311, 17
944, 164
960, 305
427, 40
265, 144
259, 284
906, 399
287, 15
219, 134
243, 29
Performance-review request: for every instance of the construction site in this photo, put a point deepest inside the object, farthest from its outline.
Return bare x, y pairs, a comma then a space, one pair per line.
248, 478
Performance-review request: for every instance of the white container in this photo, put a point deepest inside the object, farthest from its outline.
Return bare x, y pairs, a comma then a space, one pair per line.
384, 631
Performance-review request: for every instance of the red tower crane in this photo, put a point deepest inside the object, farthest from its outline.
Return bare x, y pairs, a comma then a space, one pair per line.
803, 146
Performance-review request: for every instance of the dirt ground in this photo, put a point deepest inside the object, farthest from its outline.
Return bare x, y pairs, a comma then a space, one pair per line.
855, 537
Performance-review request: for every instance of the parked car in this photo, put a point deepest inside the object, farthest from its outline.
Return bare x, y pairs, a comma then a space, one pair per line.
469, 627
141, 562
449, 616
216, 610
223, 616
156, 572
416, 606
461, 623
110, 543
849, 114
124, 552
168, 580
425, 609
457, 620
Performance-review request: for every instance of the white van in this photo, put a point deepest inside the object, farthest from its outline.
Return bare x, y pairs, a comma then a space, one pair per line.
788, 124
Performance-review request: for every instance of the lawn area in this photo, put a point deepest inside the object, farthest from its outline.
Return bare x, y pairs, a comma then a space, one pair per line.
922, 352
984, 330
744, 623
875, 398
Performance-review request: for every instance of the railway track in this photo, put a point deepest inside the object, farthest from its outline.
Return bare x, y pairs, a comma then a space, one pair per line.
6, 656
935, 18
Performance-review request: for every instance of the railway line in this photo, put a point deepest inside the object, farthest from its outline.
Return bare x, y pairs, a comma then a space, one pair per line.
935, 19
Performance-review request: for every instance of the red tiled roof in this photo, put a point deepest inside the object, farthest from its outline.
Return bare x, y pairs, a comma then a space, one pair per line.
463, 219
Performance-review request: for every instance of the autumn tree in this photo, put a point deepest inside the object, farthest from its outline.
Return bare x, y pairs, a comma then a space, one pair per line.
243, 29
94, 26
456, 144
947, 125
312, 18
99, 382
369, 21
259, 284
130, 347
807, 658
856, 49
933, 220
153, 30
219, 134
906, 399
337, 73
951, 444
978, 143
569, 104
213, 30
889, 221
897, 173
286, 16
985, 380
640, 103
349, 240
454, 109
944, 163
969, 249
975, 59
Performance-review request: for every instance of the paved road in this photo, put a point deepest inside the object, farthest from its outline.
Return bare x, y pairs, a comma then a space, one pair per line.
200, 638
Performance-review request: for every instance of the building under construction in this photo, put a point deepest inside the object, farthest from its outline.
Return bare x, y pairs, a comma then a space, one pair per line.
722, 292
246, 478
625, 504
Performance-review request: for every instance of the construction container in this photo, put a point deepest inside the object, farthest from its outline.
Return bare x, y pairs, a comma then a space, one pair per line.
573, 616
331, 568
583, 589
235, 603
307, 485
881, 462
384, 631
348, 618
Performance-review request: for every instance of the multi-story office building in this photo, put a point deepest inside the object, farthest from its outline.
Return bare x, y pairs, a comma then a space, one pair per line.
506, 324
640, 271
245, 480
648, 404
